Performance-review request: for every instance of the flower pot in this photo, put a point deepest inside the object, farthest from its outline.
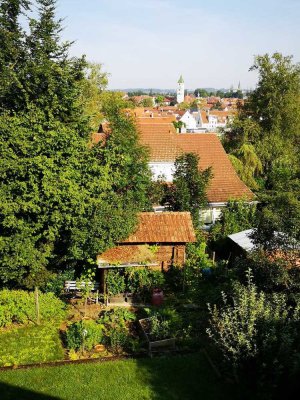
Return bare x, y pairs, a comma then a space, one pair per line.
157, 297
99, 348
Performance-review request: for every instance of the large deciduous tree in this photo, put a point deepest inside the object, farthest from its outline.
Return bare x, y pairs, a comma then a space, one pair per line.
188, 192
269, 123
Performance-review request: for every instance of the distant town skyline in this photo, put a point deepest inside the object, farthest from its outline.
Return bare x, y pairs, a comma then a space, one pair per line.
150, 43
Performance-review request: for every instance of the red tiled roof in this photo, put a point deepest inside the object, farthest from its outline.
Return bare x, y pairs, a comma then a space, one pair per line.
166, 227
204, 117
166, 145
159, 138
98, 137
156, 119
225, 183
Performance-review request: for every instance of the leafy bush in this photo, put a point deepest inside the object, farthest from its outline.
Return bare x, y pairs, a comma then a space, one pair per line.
57, 282
85, 333
142, 281
31, 344
118, 316
159, 328
164, 322
117, 339
256, 332
116, 323
115, 282
18, 306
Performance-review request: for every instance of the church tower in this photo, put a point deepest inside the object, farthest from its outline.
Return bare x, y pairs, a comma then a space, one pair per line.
180, 90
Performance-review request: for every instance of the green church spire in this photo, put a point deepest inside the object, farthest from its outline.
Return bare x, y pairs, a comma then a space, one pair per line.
181, 79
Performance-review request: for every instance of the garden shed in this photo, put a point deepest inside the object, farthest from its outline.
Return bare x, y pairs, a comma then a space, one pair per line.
159, 241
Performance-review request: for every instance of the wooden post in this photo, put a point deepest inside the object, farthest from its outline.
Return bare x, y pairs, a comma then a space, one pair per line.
214, 256
37, 305
97, 296
104, 286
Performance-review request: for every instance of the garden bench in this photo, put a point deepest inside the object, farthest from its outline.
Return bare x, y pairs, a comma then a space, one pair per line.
73, 286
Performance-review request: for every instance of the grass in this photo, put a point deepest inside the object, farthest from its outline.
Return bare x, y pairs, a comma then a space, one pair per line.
177, 378
30, 344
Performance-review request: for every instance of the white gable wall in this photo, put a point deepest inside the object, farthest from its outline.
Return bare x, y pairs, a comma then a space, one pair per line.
165, 171
162, 169
188, 120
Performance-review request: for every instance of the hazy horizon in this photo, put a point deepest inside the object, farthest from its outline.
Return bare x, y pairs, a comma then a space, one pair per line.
149, 43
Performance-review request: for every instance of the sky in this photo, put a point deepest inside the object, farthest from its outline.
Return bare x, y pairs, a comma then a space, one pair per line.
149, 43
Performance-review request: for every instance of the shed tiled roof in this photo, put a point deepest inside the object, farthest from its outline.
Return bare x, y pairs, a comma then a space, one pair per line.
165, 145
127, 254
166, 227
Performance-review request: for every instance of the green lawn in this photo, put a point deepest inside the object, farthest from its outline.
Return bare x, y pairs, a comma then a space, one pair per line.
181, 377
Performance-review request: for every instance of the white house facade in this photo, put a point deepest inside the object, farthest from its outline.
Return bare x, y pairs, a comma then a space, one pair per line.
162, 170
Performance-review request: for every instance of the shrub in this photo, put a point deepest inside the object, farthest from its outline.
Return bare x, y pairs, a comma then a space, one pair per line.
116, 323
56, 283
85, 333
255, 332
18, 306
159, 328
142, 281
117, 339
115, 282
117, 317
165, 322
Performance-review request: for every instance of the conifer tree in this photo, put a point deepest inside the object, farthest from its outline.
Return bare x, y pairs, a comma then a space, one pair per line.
62, 199
12, 54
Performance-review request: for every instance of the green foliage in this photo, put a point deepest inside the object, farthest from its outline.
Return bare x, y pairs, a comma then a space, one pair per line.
197, 260
159, 328
279, 226
116, 323
269, 124
117, 339
269, 275
178, 125
118, 316
57, 282
255, 331
143, 280
91, 89
165, 322
84, 334
159, 100
32, 344
200, 93
62, 200
18, 306
247, 164
188, 192
12, 55
115, 282
236, 216
140, 281
148, 102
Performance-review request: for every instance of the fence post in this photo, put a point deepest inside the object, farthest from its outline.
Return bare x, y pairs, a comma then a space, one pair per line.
37, 305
